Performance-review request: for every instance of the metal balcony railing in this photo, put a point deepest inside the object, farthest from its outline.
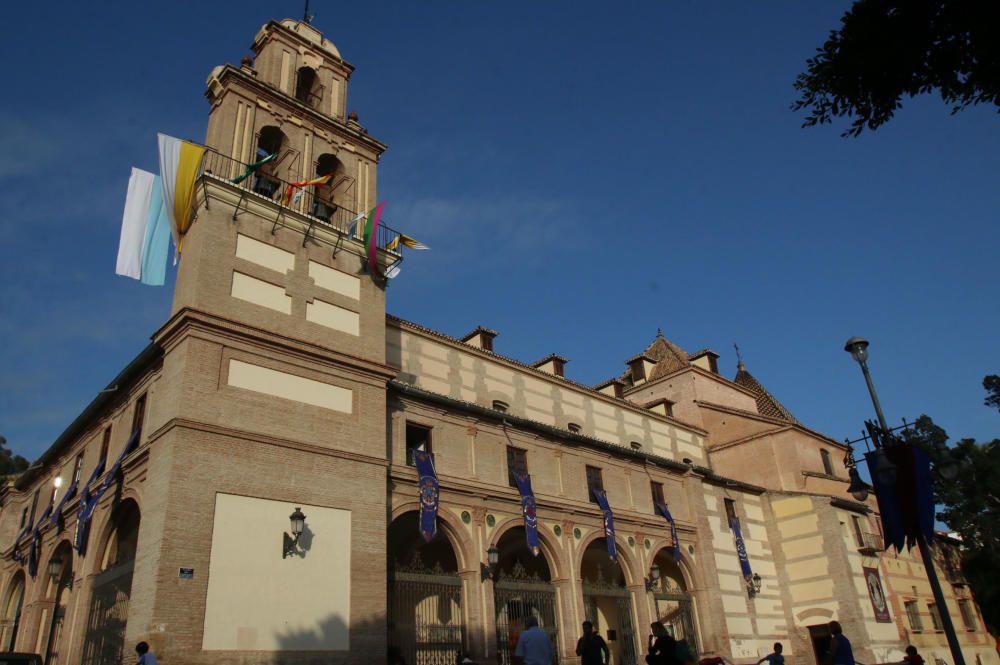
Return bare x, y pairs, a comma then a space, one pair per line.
304, 200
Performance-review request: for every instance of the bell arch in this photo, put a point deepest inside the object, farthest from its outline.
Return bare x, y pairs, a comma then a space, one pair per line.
12, 606
426, 619
607, 599
673, 602
114, 561
61, 588
522, 588
270, 141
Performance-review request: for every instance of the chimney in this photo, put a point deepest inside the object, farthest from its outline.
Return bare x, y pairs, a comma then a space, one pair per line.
481, 338
553, 364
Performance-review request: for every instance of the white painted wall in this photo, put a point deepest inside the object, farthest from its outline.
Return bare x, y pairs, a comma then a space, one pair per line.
258, 601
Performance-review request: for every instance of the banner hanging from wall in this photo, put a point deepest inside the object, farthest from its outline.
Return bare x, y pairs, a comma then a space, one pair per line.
609, 522
741, 549
430, 493
528, 507
877, 595
662, 507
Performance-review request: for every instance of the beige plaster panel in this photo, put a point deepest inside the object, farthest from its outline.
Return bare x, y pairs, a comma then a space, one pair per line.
261, 293
337, 281
288, 386
258, 601
785, 507
437, 367
332, 316
773, 628
262, 254
799, 526
811, 591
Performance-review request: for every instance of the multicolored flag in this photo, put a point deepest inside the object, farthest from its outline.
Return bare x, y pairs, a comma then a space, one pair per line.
407, 241
609, 521
528, 509
250, 169
321, 180
180, 164
370, 236
662, 507
429, 494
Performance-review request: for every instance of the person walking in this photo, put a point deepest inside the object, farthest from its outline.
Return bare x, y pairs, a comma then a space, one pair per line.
662, 646
841, 652
912, 657
591, 647
533, 646
145, 656
775, 657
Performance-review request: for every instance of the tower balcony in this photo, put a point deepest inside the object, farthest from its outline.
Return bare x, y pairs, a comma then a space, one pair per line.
303, 209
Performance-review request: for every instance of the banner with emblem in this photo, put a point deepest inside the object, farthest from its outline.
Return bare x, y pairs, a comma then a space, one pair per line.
523, 481
741, 549
609, 522
877, 595
429, 494
662, 507
35, 547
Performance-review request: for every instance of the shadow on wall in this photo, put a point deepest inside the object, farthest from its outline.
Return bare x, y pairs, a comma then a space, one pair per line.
311, 647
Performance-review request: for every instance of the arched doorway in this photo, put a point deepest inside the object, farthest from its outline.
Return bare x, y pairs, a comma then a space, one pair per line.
673, 603
105, 638
270, 141
425, 596
63, 584
607, 602
326, 201
12, 612
522, 588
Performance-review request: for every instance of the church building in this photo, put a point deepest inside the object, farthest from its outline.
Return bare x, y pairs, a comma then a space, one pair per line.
294, 475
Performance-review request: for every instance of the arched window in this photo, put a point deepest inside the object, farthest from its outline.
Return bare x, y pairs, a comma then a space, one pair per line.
307, 87
271, 140
328, 196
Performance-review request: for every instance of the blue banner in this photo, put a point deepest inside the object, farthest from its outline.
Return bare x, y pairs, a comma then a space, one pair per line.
901, 476
528, 507
88, 501
662, 507
70, 493
430, 493
14, 554
609, 522
34, 549
741, 549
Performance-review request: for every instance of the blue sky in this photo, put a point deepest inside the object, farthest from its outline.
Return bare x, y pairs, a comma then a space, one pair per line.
585, 174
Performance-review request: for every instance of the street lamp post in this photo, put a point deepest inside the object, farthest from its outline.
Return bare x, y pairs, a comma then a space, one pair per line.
858, 348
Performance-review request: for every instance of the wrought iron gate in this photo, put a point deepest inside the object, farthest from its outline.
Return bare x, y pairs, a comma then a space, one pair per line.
677, 610
105, 640
516, 597
623, 602
425, 617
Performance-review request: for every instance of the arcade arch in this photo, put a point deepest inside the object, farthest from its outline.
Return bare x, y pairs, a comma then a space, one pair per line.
607, 601
12, 606
673, 604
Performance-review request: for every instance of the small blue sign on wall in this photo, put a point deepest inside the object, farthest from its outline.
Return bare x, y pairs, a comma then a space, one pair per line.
186, 573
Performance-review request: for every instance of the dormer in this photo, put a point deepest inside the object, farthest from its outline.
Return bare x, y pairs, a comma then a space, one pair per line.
664, 407
614, 387
481, 338
640, 368
706, 359
553, 364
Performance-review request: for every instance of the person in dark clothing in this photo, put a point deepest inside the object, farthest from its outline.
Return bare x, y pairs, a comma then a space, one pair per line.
912, 657
591, 647
841, 652
662, 646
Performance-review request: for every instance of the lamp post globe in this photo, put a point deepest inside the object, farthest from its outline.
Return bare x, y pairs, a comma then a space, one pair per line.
298, 520
858, 348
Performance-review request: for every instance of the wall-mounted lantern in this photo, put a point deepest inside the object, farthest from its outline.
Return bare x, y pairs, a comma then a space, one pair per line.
488, 570
290, 543
753, 585
653, 579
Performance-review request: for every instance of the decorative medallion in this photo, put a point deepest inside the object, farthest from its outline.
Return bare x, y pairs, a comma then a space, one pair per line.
631, 541
577, 534
557, 530
690, 549
490, 521
466, 517
647, 543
